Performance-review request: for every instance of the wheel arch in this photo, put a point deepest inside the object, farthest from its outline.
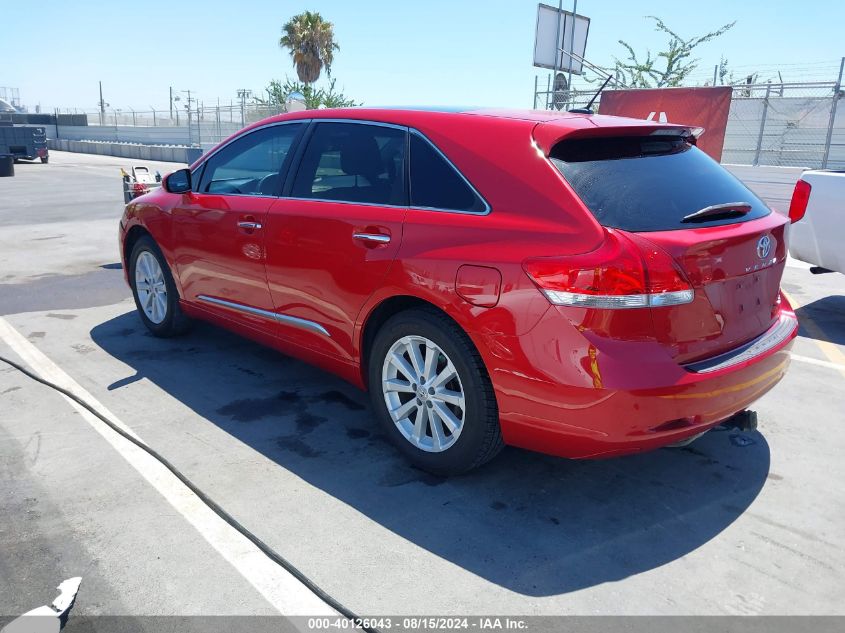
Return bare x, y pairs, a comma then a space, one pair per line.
134, 233
382, 312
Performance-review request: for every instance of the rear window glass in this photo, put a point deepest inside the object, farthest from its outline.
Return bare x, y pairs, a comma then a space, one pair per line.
651, 183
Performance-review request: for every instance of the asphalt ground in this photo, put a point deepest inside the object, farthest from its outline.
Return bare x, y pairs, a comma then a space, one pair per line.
733, 524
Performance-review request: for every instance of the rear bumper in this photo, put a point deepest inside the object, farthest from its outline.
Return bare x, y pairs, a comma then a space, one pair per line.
600, 398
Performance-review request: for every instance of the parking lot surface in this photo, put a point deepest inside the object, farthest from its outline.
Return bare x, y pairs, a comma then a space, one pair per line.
732, 524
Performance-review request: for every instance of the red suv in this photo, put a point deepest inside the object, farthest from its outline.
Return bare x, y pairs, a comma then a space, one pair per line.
574, 284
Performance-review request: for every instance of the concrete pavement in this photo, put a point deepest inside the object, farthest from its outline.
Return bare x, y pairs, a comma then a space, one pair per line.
724, 526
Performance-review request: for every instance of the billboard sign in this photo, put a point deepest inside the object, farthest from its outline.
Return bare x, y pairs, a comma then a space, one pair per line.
694, 107
560, 30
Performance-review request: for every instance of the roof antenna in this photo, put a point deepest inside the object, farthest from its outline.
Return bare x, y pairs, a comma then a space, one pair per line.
589, 108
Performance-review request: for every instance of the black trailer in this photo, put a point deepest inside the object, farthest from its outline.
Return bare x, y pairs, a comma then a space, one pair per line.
23, 142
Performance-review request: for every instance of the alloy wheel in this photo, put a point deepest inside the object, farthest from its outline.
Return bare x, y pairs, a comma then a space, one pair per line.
423, 393
150, 286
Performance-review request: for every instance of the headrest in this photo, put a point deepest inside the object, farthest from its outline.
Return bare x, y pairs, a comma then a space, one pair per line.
360, 156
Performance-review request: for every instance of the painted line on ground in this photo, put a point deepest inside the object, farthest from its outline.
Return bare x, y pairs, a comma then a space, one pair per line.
275, 584
816, 361
821, 339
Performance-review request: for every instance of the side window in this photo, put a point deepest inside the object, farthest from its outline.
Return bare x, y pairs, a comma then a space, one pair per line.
250, 165
353, 162
435, 183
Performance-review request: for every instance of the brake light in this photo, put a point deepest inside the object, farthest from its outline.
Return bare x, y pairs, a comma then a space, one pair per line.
626, 271
800, 198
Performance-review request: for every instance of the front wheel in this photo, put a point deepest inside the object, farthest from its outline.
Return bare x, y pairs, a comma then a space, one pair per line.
432, 394
154, 290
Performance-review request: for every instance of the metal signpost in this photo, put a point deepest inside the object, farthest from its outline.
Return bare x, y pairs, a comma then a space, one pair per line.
560, 43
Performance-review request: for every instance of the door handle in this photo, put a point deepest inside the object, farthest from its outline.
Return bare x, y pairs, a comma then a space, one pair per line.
372, 237
251, 226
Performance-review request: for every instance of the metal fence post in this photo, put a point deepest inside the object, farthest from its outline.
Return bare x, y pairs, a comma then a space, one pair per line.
836, 94
762, 126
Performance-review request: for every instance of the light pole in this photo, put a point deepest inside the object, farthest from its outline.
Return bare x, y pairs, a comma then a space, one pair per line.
243, 95
102, 105
188, 108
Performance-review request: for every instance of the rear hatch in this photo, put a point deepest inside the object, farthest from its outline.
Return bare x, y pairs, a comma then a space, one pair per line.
670, 198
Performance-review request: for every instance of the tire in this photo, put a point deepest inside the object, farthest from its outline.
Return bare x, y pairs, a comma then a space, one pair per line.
478, 438
166, 318
45, 160
7, 166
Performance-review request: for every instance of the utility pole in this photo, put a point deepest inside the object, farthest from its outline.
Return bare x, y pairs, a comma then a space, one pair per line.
102, 105
171, 102
243, 95
190, 132
715, 73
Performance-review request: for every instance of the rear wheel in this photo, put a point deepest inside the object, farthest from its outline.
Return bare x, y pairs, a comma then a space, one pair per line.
45, 159
432, 394
154, 290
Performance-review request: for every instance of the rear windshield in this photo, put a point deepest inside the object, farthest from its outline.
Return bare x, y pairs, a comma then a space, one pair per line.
652, 183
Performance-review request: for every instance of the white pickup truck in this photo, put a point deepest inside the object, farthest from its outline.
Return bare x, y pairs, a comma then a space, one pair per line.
817, 211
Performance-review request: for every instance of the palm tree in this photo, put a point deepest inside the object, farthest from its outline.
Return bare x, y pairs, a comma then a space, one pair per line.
311, 43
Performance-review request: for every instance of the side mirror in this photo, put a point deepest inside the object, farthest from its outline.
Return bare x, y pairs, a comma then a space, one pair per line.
178, 182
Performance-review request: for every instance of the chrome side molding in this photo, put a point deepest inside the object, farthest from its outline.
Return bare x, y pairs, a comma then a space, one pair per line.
304, 324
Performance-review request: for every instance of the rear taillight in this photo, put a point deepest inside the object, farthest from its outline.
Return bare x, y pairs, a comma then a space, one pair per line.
626, 271
800, 198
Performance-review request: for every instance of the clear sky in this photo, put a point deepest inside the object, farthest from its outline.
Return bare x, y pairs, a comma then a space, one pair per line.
475, 52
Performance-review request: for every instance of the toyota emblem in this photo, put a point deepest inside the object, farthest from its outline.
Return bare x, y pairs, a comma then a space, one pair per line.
764, 245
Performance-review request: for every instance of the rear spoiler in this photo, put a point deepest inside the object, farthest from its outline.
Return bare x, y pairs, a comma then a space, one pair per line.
548, 134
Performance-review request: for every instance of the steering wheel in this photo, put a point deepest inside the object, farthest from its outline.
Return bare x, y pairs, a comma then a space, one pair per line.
268, 179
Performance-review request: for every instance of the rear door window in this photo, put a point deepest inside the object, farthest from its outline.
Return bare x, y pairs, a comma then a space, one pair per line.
353, 162
436, 184
651, 183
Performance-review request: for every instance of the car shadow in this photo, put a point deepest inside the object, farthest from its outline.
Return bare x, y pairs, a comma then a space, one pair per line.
530, 523
828, 314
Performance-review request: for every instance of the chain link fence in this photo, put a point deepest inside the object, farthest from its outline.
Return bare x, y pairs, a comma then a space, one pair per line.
778, 124
783, 125
203, 126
